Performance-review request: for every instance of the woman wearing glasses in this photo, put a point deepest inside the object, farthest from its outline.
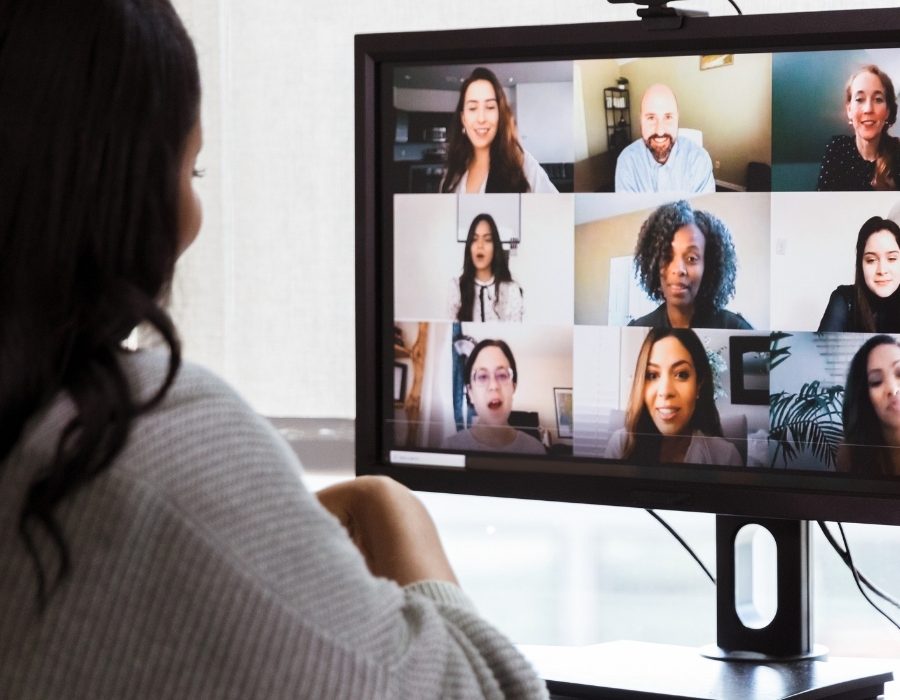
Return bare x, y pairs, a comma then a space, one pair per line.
491, 379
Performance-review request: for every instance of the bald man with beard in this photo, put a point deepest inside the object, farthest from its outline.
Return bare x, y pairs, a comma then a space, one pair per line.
659, 161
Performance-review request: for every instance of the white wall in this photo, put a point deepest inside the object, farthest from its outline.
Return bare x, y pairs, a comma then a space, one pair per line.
266, 296
539, 104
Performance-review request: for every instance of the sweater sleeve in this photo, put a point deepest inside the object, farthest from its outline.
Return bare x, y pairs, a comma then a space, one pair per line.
202, 568
338, 631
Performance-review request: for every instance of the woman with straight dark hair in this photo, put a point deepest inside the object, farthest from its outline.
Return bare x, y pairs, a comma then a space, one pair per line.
870, 158
671, 415
485, 291
872, 303
871, 410
155, 537
484, 155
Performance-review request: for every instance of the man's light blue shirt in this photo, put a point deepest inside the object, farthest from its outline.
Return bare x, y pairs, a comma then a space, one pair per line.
688, 169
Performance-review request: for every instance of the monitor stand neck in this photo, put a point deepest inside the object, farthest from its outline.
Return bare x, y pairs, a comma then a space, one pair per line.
780, 644
743, 631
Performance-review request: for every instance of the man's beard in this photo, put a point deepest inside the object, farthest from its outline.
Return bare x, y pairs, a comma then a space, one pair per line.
660, 146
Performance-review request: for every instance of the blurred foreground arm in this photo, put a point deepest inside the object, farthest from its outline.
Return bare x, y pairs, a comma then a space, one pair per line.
391, 528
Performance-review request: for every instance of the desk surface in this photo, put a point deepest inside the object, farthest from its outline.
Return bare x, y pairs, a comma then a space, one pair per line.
647, 671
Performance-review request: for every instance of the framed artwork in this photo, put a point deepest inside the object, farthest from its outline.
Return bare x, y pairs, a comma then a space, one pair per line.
749, 356
716, 60
562, 400
400, 370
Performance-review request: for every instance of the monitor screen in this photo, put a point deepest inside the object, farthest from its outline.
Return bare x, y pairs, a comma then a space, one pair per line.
633, 266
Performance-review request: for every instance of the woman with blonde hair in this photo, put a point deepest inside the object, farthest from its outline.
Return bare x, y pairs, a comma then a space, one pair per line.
869, 159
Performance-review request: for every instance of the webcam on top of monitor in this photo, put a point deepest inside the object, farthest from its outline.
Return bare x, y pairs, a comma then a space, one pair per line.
656, 14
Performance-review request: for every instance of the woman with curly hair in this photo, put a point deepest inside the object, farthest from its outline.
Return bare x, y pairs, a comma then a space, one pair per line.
672, 415
484, 153
485, 291
870, 158
871, 410
872, 303
685, 259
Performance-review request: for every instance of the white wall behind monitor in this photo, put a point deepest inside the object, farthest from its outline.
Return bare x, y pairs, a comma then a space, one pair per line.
266, 295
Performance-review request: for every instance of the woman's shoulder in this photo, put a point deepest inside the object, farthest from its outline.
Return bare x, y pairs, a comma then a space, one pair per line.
843, 291
657, 317
841, 143
202, 430
527, 444
723, 318
615, 447
711, 449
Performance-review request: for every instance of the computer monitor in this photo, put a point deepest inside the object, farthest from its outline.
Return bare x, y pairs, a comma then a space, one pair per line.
628, 265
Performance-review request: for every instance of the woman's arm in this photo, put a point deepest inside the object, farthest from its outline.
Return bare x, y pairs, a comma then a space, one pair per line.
455, 298
391, 528
512, 302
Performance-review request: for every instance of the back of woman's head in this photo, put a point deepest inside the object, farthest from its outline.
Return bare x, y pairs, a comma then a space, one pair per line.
98, 99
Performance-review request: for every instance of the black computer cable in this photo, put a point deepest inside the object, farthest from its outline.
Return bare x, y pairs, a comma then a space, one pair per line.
684, 544
862, 583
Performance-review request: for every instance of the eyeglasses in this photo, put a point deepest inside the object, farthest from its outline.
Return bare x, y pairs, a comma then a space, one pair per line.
482, 377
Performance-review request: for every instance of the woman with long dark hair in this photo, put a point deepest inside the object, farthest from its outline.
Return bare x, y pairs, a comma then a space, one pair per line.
869, 159
155, 537
871, 410
484, 154
671, 415
485, 291
872, 303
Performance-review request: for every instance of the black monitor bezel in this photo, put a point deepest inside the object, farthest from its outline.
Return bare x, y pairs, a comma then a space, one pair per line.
755, 493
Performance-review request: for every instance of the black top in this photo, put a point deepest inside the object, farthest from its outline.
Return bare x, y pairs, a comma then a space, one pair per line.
838, 314
715, 318
843, 168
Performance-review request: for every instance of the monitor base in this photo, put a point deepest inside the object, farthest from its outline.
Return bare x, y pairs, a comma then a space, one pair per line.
644, 671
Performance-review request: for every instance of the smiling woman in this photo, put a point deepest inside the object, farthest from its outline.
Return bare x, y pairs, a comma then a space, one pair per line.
872, 303
485, 154
672, 415
686, 259
870, 158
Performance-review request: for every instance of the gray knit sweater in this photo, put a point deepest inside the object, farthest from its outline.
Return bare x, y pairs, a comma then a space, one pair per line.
204, 569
